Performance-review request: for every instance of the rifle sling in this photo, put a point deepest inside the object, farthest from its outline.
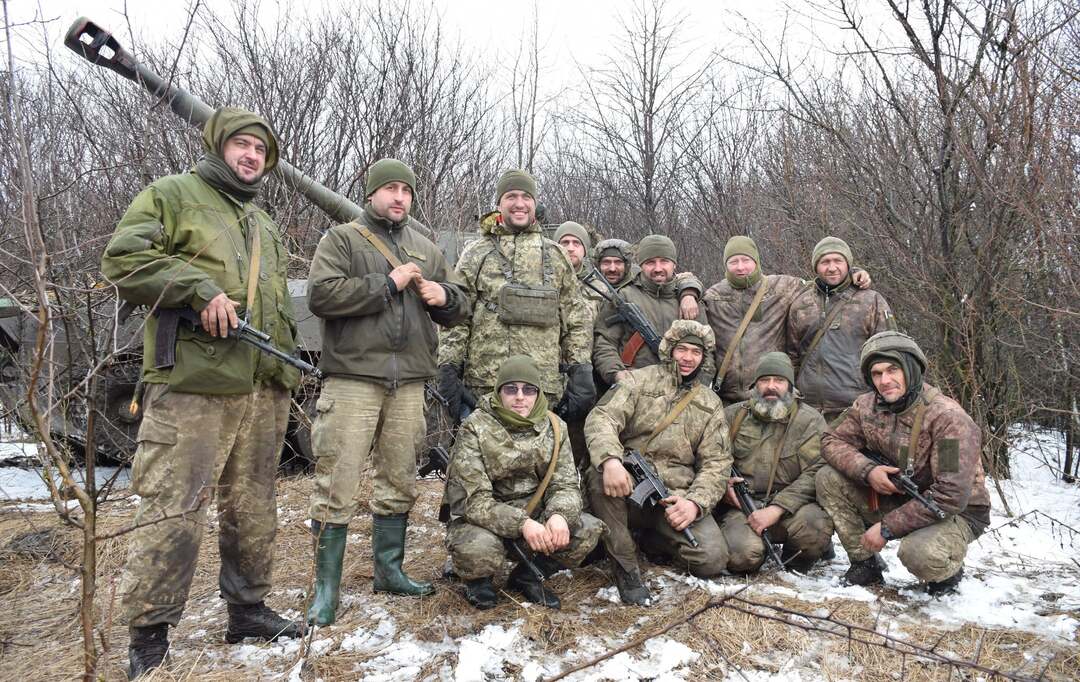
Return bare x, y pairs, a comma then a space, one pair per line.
907, 457
671, 416
534, 501
631, 349
733, 431
383, 249
254, 262
729, 354
833, 312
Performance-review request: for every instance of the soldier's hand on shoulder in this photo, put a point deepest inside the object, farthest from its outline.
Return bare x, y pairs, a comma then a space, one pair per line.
680, 511
617, 481
219, 316
688, 307
879, 480
861, 279
560, 531
432, 293
538, 537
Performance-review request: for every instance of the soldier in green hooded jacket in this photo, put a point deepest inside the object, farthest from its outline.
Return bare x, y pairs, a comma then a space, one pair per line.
215, 410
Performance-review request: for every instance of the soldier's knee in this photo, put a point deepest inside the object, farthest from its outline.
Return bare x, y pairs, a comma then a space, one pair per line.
476, 552
929, 561
747, 558
810, 529
707, 560
827, 481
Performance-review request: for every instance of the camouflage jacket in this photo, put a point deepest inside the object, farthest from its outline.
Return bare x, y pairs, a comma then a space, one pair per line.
660, 303
692, 455
726, 305
486, 266
948, 460
754, 449
367, 333
829, 377
494, 471
592, 302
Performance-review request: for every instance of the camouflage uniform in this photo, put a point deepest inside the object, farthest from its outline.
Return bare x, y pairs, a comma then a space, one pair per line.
487, 265
947, 467
805, 527
829, 377
692, 456
494, 471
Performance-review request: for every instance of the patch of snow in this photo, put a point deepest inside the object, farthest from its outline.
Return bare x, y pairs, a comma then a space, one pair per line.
365, 640
481, 657
17, 483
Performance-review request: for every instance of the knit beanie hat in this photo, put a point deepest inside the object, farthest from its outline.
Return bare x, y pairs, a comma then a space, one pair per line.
388, 170
775, 364
575, 230
742, 246
518, 368
656, 246
515, 180
830, 245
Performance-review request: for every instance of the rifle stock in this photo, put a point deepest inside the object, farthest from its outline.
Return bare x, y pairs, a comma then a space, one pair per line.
630, 313
908, 486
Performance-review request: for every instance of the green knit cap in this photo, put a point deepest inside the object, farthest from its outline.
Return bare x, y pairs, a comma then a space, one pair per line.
575, 230
518, 368
656, 246
385, 171
775, 364
830, 245
229, 121
513, 180
742, 246
694, 339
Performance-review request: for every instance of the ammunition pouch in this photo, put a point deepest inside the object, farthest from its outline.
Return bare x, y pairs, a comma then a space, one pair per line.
528, 305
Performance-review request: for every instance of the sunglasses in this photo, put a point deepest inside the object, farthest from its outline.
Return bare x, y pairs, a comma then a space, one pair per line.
510, 390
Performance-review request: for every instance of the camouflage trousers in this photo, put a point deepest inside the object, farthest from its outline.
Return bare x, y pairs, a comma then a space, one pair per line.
191, 448
933, 553
359, 424
808, 531
656, 535
478, 553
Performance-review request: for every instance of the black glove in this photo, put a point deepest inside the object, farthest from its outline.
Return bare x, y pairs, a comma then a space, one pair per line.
451, 388
580, 394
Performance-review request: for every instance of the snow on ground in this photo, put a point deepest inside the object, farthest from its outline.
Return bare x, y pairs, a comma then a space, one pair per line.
20, 480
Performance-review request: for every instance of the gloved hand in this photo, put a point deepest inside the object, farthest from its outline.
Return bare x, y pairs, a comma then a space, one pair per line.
452, 388
580, 394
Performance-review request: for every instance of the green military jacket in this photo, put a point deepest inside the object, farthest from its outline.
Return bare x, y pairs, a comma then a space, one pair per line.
692, 455
367, 333
557, 335
180, 244
757, 453
496, 469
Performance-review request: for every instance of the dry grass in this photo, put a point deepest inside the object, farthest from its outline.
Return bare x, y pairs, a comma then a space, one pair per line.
40, 639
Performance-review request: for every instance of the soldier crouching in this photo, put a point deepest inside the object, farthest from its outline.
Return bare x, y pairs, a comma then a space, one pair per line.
926, 435
512, 478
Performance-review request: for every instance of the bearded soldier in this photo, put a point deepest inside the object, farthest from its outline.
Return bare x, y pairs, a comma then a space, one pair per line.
776, 445
617, 348
678, 425
922, 433
827, 324
215, 411
378, 285
613, 260
496, 490
748, 312
525, 299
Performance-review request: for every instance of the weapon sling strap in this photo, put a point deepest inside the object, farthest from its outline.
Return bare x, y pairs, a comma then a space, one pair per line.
630, 350
383, 249
534, 501
906, 458
729, 354
670, 417
824, 327
254, 263
733, 431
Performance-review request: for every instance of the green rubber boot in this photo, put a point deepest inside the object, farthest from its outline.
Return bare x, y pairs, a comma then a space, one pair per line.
388, 548
329, 552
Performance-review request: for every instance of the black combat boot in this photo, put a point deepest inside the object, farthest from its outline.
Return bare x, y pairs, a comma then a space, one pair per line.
865, 572
259, 620
631, 589
947, 586
480, 593
800, 562
147, 648
531, 587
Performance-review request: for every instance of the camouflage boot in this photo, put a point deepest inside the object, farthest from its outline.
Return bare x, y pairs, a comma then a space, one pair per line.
260, 621
147, 648
329, 553
865, 572
388, 548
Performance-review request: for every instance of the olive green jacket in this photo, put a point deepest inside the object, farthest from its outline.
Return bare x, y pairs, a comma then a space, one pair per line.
180, 244
369, 333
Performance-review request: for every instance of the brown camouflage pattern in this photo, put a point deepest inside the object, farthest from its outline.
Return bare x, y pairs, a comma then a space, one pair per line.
947, 465
829, 377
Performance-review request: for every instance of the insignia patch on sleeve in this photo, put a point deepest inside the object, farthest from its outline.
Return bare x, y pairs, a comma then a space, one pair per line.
608, 395
949, 456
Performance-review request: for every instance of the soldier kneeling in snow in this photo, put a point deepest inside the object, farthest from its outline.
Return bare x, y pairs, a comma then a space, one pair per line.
512, 478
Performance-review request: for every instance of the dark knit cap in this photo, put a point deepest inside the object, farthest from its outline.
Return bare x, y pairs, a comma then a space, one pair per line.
612, 248
655, 246
513, 180
575, 230
742, 246
830, 245
518, 368
775, 364
385, 171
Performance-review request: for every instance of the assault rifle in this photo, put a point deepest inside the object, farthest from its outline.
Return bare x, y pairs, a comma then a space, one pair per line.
649, 489
249, 335
630, 313
523, 557
742, 493
905, 484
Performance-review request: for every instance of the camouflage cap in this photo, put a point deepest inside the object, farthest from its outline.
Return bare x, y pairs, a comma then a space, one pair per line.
687, 331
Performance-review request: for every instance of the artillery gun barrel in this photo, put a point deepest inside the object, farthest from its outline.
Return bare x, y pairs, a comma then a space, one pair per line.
100, 47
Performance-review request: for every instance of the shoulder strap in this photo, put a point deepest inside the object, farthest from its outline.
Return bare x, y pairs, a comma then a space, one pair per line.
736, 424
730, 352
824, 327
254, 262
670, 417
780, 448
382, 248
539, 494
906, 458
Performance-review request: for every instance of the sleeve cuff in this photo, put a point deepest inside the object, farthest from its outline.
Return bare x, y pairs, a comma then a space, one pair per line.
205, 291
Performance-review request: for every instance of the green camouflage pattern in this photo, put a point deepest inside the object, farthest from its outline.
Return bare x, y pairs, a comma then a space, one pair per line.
806, 534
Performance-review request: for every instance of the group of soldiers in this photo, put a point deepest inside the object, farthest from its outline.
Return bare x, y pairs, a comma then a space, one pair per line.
557, 393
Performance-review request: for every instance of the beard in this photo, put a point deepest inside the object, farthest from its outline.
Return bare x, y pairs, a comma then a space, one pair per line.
771, 409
